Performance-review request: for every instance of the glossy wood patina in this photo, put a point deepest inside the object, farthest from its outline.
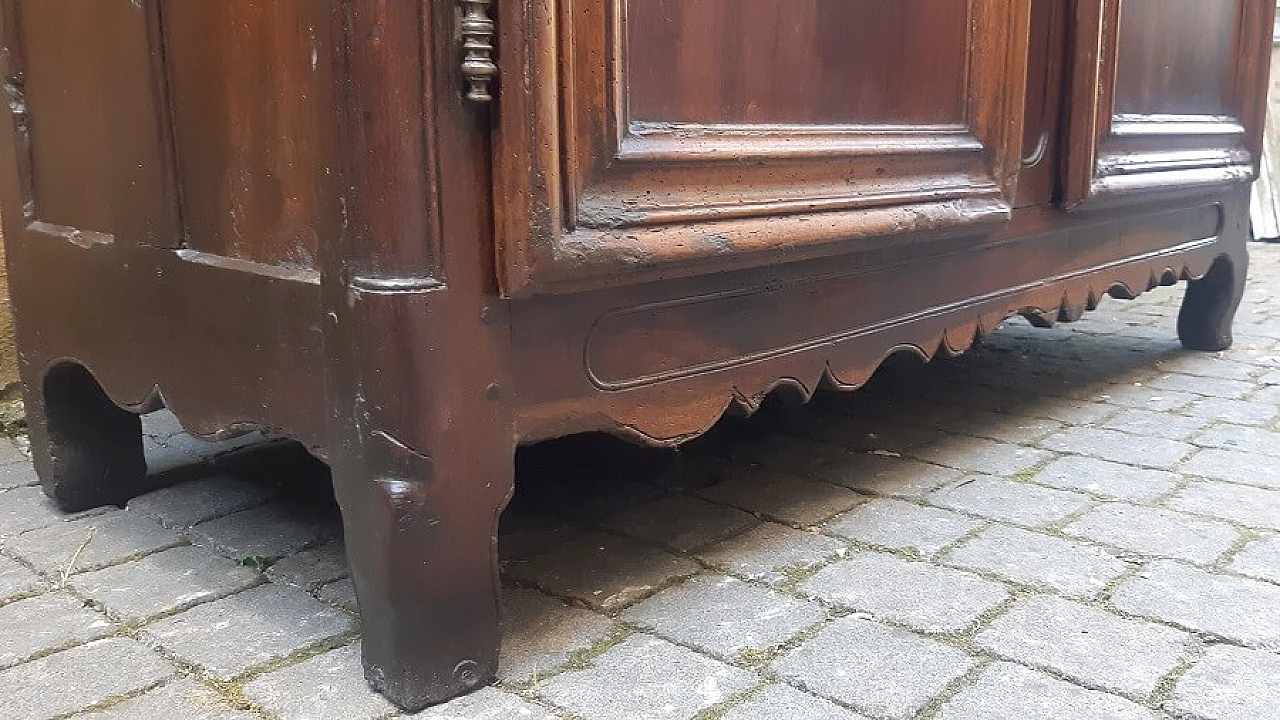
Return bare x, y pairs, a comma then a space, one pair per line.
414, 235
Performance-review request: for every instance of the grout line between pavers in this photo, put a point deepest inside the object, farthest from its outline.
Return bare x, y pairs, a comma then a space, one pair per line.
114, 700
955, 687
719, 710
1163, 692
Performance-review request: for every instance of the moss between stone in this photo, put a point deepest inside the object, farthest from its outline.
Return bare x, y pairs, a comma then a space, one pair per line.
585, 657
13, 415
257, 562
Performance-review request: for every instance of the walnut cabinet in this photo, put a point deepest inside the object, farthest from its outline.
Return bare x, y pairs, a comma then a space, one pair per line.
414, 234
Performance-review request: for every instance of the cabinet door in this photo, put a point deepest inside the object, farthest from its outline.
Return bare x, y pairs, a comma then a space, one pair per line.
642, 139
1167, 96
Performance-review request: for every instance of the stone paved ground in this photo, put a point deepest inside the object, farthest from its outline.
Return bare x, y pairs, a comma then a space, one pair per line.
1073, 523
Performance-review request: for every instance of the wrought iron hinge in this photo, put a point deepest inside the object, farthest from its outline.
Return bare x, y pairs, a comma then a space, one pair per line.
478, 67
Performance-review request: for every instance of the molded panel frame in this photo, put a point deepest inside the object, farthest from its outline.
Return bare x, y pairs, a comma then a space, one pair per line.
1114, 158
574, 174
146, 208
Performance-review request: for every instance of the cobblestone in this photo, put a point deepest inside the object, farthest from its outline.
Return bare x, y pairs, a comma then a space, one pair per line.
1128, 657
78, 678
26, 508
1042, 561
165, 582
1210, 386
17, 473
1156, 532
923, 596
1230, 683
1259, 559
180, 699
646, 677
189, 503
1255, 412
1151, 399
1240, 610
782, 497
1242, 438
229, 636
523, 535
16, 579
789, 452
899, 525
979, 455
887, 475
1074, 413
540, 633
1235, 466
1007, 692
1156, 424
1209, 365
1267, 396
680, 523
1015, 502
724, 617
269, 531
783, 702
46, 622
92, 543
1119, 447
604, 571
769, 552
1105, 479
1014, 429
1256, 507
877, 669
487, 704
312, 568
341, 593
329, 686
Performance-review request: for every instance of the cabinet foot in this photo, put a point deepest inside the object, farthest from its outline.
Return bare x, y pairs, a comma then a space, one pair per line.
1209, 307
422, 546
87, 450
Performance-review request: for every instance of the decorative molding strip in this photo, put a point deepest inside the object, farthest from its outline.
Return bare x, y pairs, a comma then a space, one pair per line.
304, 275
847, 309
478, 67
1071, 296
394, 285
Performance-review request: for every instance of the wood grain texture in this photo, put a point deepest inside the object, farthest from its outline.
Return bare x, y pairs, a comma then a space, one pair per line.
98, 163
1177, 57
802, 62
610, 196
1165, 97
417, 381
252, 90
745, 334
551, 262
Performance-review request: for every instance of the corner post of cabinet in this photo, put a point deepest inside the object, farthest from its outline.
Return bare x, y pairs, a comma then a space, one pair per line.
421, 439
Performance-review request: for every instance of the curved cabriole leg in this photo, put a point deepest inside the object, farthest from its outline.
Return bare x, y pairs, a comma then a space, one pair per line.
1209, 307
421, 536
87, 450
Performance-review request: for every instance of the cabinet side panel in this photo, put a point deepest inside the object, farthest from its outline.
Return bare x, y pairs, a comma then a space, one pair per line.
254, 126
98, 158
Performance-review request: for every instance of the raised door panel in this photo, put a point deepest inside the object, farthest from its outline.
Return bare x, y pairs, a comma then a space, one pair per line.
1167, 96
86, 92
643, 139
